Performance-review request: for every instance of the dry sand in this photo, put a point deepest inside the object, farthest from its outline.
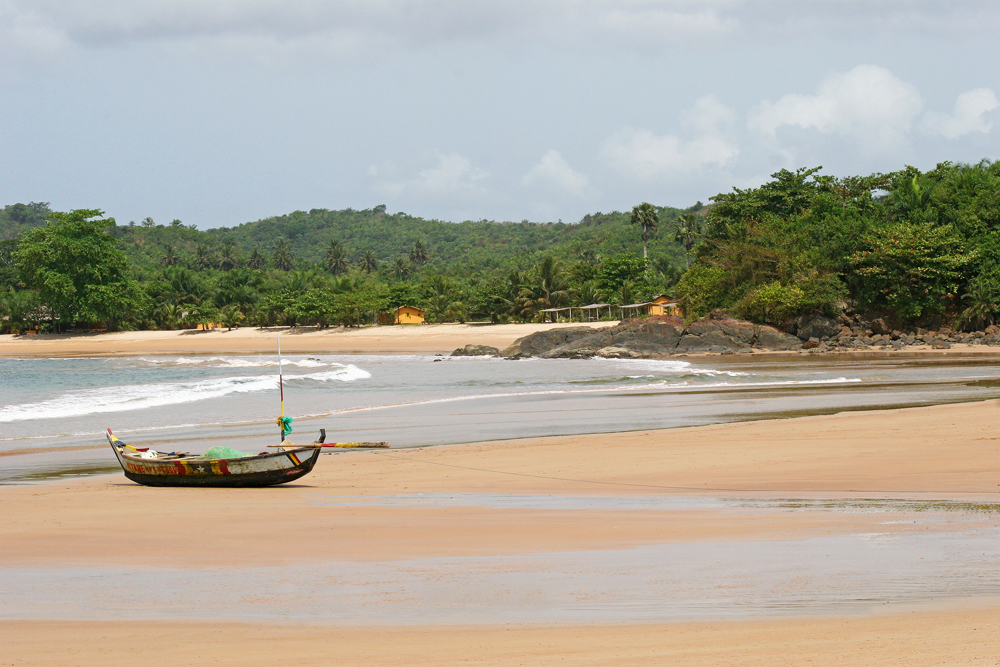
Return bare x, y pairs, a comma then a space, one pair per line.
426, 338
434, 338
948, 451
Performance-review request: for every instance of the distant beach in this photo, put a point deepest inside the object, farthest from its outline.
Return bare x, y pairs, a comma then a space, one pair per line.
425, 338
434, 338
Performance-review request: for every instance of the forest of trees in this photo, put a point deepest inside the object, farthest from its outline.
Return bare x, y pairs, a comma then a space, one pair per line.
913, 247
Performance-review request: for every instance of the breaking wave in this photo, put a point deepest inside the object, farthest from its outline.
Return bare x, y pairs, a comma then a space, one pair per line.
142, 396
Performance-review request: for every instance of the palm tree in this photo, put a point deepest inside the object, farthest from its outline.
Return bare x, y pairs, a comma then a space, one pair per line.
232, 316
282, 256
148, 222
169, 255
336, 258
204, 258
550, 289
646, 217
418, 255
369, 262
984, 305
401, 269
227, 258
170, 315
256, 260
688, 232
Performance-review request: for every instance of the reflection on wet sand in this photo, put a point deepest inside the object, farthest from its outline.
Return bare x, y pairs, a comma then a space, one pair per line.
922, 553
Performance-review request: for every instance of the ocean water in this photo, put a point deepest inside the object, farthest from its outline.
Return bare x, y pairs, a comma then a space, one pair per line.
53, 412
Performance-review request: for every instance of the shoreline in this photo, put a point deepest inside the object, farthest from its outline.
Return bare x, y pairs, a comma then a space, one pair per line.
386, 339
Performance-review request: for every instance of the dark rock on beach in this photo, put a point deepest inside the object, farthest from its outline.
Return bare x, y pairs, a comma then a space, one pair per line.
816, 326
653, 337
476, 351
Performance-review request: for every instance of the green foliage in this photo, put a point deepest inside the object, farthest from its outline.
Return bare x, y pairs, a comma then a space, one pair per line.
16, 219
620, 269
78, 272
982, 304
703, 289
773, 303
904, 244
910, 269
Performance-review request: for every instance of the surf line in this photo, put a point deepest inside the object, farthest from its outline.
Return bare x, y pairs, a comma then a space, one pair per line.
569, 479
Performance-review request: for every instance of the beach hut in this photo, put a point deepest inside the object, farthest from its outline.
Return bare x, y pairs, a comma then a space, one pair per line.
407, 315
663, 305
593, 311
658, 305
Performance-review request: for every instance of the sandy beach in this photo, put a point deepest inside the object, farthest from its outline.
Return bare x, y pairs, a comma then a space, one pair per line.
422, 338
947, 452
433, 338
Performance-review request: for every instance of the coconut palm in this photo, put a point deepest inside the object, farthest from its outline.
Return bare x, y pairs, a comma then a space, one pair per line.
418, 255
169, 255
204, 258
550, 289
336, 258
227, 258
369, 262
646, 217
282, 256
170, 315
256, 260
688, 232
401, 269
983, 307
232, 316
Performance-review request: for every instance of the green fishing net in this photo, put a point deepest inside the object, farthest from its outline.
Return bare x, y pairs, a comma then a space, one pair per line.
223, 452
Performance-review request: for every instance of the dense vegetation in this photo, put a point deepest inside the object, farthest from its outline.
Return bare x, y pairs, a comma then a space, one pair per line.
326, 267
911, 247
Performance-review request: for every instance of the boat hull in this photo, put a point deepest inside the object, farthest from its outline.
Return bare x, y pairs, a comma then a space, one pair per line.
263, 470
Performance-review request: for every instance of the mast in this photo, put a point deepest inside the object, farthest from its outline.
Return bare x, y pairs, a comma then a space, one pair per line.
281, 389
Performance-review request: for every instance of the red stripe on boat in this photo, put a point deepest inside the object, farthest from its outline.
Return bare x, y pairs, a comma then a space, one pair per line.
223, 467
180, 468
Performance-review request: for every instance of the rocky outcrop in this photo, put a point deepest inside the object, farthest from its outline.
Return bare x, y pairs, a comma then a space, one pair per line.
658, 337
535, 344
653, 337
815, 326
476, 351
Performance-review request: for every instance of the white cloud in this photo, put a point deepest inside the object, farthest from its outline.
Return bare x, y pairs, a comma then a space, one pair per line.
967, 116
453, 175
867, 103
553, 170
646, 156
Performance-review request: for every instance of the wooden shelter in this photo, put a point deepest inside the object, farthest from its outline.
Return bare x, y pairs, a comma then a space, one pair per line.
659, 305
403, 315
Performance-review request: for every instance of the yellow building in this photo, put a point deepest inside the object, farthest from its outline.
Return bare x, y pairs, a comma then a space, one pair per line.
663, 305
659, 305
407, 315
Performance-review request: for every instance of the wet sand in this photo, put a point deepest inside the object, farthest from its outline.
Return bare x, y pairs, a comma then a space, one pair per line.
362, 508
957, 638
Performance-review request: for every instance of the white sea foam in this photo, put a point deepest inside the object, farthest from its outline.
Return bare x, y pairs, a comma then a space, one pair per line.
143, 396
238, 362
673, 367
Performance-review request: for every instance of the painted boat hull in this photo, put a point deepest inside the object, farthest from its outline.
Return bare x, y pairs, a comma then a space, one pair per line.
262, 470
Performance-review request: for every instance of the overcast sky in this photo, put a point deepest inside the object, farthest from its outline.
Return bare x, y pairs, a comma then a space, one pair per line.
220, 112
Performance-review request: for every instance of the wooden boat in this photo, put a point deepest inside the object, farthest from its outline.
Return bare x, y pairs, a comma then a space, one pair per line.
158, 469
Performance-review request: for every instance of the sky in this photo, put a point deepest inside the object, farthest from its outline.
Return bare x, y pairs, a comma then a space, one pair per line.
218, 112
